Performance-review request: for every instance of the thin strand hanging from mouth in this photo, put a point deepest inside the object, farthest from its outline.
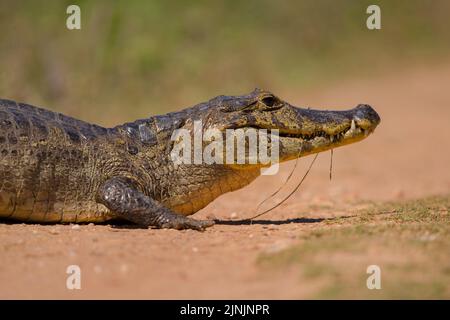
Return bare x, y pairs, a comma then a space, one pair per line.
285, 182
331, 163
289, 195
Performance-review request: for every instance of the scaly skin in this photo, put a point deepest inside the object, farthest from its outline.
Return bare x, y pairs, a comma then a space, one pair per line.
54, 168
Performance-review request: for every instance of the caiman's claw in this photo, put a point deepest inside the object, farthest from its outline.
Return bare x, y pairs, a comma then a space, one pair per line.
182, 222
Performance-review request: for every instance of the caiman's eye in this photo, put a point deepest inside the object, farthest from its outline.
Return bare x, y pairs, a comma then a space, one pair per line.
269, 101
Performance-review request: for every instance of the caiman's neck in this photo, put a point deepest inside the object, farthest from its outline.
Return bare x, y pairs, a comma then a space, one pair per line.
222, 180
156, 128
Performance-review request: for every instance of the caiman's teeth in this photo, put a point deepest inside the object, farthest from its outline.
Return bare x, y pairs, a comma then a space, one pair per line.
366, 132
331, 138
353, 126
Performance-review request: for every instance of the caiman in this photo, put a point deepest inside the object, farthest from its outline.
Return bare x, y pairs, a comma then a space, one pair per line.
57, 169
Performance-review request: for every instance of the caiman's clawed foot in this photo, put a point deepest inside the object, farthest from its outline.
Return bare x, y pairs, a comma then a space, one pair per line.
122, 197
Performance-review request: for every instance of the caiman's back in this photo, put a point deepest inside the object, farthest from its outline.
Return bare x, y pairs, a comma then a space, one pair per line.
47, 165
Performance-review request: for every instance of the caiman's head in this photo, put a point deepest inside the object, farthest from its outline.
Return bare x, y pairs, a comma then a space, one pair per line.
206, 128
302, 131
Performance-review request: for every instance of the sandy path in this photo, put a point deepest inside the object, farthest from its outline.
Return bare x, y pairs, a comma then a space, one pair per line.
407, 157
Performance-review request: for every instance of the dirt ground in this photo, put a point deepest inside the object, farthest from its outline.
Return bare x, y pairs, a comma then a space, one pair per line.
316, 245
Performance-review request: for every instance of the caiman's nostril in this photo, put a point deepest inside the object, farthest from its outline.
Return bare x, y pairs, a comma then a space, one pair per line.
365, 113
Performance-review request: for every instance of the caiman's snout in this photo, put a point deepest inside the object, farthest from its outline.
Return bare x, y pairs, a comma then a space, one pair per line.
366, 117
309, 122
314, 131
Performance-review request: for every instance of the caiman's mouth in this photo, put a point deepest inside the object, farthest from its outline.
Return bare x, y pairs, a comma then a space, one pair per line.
351, 131
338, 135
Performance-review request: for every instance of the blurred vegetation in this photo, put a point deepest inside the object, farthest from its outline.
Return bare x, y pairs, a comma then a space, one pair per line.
132, 59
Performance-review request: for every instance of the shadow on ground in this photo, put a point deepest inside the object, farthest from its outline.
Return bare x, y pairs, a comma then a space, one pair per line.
276, 222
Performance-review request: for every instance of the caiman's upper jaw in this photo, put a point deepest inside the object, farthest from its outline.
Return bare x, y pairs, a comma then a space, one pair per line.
332, 126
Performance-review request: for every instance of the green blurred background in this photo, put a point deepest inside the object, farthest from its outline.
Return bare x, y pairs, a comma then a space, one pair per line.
132, 59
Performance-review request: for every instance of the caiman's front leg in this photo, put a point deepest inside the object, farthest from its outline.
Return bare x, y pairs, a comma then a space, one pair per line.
121, 197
